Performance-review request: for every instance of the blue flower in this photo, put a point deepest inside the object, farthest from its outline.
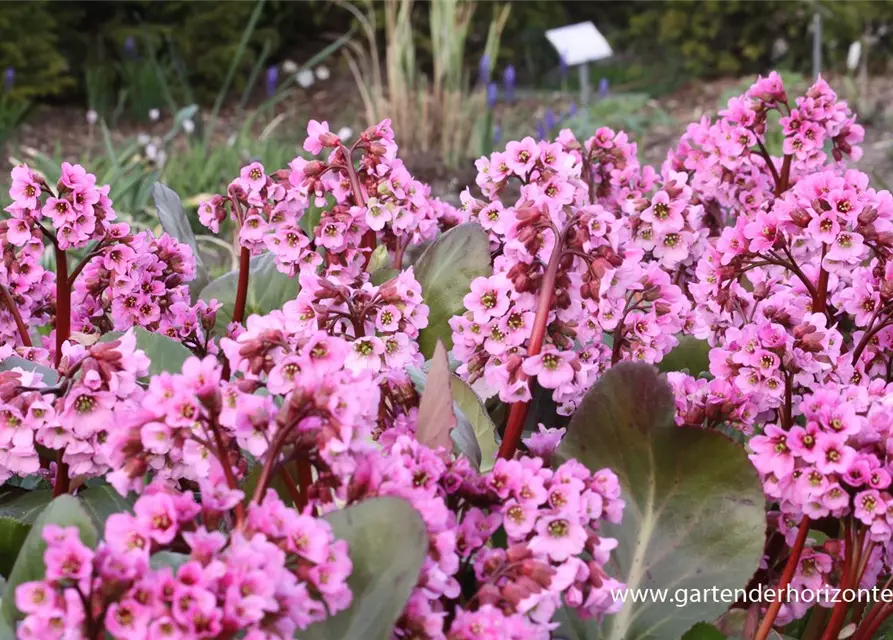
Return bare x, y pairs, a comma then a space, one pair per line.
484, 69
272, 80
603, 88
492, 94
9, 78
508, 81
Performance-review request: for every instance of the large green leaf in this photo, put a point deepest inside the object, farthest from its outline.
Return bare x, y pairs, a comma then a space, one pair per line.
268, 289
387, 545
16, 517
64, 511
445, 272
481, 447
704, 631
175, 223
165, 353
102, 502
50, 376
690, 355
694, 516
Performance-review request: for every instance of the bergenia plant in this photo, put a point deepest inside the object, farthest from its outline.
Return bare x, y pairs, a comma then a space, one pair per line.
525, 418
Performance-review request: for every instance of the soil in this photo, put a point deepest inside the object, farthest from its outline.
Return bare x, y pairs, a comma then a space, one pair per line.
65, 128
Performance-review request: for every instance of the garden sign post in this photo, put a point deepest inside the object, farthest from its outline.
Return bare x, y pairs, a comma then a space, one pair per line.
579, 44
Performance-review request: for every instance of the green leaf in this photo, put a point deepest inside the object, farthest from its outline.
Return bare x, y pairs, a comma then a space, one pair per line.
165, 353
175, 222
387, 544
436, 417
378, 260
475, 434
64, 511
704, 631
102, 502
483, 451
16, 517
694, 516
445, 272
170, 559
385, 274
50, 376
268, 290
277, 483
690, 355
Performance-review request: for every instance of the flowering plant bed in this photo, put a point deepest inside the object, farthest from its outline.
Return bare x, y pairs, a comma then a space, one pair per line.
400, 419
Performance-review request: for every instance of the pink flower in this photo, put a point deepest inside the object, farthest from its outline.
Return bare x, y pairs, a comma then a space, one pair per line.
552, 368
559, 537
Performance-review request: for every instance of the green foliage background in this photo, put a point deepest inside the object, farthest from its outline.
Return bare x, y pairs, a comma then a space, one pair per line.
50, 43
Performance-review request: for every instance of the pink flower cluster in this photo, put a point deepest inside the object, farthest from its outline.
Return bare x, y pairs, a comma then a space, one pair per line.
732, 171
837, 462
550, 518
30, 287
356, 196
382, 323
275, 577
77, 415
566, 257
78, 210
317, 403
141, 280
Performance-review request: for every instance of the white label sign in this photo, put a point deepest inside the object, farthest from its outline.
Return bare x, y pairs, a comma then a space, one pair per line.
579, 43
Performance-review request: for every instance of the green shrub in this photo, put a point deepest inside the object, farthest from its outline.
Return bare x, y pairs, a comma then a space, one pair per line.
30, 43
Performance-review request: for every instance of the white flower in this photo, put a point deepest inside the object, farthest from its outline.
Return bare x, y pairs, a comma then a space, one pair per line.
188, 126
151, 151
154, 114
92, 117
143, 139
231, 140
322, 73
853, 55
289, 67
304, 78
345, 133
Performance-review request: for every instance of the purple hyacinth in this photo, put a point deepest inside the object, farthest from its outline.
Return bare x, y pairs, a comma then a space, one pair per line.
572, 110
272, 80
130, 48
484, 69
540, 131
497, 135
508, 82
9, 78
562, 66
492, 94
549, 120
603, 88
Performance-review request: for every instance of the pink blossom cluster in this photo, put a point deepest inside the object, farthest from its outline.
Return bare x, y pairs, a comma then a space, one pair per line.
358, 191
550, 518
29, 286
836, 463
317, 403
77, 209
281, 573
381, 323
75, 416
141, 280
732, 171
169, 429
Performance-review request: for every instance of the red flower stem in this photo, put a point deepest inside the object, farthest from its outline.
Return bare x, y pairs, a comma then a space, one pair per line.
10, 304
819, 304
849, 578
518, 411
242, 290
290, 485
785, 177
63, 303
369, 239
305, 479
786, 576
62, 483
223, 457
